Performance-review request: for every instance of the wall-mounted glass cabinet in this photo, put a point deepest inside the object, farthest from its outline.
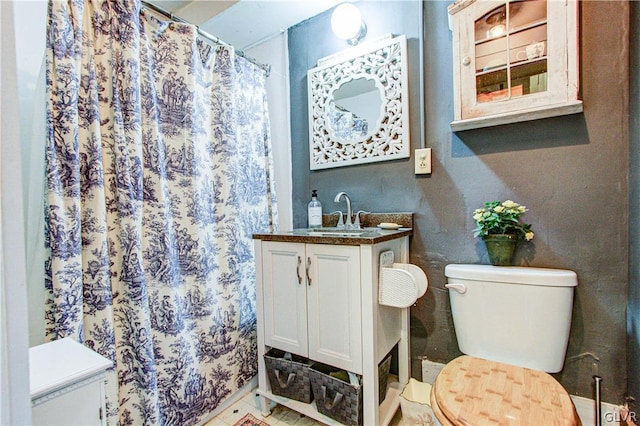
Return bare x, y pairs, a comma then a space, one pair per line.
514, 61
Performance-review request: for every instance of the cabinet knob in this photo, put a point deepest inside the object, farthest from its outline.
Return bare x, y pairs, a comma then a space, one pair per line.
466, 60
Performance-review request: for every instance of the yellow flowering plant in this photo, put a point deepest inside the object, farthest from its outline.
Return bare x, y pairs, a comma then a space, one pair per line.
501, 218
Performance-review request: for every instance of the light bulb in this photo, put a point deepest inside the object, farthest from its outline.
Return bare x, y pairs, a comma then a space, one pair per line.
346, 23
497, 30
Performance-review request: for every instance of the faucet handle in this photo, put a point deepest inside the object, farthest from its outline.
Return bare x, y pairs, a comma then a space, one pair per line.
340, 220
357, 224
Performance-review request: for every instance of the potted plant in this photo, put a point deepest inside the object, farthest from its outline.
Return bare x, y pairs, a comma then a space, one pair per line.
500, 226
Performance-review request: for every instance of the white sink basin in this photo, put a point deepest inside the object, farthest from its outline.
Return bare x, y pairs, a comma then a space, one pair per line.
337, 232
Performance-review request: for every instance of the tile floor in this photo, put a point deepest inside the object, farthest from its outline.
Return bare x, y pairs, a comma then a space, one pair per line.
280, 415
250, 403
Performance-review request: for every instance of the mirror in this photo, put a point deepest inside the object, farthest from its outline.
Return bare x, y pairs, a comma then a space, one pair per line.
355, 109
358, 105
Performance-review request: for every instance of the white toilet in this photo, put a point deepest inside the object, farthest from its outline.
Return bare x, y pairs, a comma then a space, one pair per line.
513, 325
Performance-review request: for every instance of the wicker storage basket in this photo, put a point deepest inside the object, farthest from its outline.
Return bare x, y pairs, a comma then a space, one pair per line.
335, 398
288, 378
340, 400
383, 377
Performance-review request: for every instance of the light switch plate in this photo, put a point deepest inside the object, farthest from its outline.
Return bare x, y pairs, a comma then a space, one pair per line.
423, 161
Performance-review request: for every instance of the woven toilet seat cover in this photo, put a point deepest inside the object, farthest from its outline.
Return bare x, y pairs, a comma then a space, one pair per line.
475, 391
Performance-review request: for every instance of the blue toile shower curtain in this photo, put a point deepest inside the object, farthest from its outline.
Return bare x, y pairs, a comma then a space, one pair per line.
158, 172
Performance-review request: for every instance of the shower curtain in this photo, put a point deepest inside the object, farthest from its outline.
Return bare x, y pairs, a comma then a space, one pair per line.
158, 172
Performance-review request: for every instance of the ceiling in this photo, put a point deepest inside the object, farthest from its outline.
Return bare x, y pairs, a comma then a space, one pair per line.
243, 23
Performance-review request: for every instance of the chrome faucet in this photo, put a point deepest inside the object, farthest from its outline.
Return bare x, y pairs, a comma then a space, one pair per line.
340, 224
357, 224
348, 222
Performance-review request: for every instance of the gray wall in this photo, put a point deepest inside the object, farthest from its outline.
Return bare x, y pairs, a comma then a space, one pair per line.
571, 172
633, 312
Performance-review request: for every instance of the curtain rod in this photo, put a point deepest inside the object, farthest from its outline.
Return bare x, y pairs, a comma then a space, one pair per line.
265, 67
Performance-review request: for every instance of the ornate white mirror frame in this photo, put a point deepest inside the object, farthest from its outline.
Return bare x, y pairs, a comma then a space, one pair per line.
385, 62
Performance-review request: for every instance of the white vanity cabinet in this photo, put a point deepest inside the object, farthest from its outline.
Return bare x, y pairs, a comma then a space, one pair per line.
312, 301
318, 298
67, 384
514, 60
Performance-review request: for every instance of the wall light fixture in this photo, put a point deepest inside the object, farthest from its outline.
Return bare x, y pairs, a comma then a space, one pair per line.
347, 23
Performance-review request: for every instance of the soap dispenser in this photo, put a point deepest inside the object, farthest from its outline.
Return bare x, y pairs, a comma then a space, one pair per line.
315, 211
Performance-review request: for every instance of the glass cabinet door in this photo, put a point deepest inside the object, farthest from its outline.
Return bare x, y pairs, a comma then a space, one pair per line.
511, 51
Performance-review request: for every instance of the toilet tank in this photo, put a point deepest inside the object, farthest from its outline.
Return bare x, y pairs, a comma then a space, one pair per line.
517, 315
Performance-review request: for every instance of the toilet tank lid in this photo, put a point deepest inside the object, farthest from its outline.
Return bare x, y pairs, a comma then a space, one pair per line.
513, 274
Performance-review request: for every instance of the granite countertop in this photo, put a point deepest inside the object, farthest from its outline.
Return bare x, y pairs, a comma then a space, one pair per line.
371, 234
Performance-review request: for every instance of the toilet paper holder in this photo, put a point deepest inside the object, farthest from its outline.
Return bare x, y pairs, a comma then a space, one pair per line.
400, 284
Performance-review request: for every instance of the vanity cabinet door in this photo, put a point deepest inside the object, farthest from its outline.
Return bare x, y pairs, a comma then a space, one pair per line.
312, 302
285, 296
334, 305
81, 405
